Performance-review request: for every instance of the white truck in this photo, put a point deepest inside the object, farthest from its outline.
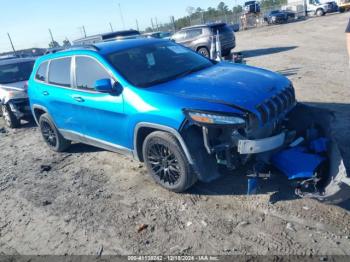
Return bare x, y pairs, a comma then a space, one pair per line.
307, 7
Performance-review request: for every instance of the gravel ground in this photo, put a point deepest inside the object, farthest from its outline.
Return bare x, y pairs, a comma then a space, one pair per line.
90, 201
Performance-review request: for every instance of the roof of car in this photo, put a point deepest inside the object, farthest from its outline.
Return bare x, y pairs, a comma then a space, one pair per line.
204, 25
114, 46
102, 48
16, 60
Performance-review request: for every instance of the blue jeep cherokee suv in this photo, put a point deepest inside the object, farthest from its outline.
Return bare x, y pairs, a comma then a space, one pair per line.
161, 103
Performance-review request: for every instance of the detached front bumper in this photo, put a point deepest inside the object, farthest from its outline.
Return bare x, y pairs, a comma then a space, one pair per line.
246, 147
20, 108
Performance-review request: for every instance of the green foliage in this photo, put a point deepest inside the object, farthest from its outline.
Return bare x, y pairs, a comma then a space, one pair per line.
222, 7
66, 43
268, 4
54, 44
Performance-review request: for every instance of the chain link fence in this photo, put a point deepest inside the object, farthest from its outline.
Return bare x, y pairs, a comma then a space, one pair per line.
239, 19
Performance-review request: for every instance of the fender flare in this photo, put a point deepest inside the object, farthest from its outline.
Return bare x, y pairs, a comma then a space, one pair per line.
35, 106
159, 127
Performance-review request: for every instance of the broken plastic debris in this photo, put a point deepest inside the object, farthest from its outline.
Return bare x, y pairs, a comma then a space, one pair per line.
141, 228
252, 186
319, 145
296, 163
297, 142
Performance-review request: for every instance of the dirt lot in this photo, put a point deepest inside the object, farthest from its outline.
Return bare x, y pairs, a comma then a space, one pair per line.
95, 201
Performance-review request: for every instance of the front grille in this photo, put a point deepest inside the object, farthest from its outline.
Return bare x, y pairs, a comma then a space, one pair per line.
275, 106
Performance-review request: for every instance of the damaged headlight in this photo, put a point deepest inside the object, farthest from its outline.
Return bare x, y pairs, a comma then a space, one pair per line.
211, 118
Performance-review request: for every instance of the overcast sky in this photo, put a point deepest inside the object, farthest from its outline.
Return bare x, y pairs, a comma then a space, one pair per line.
28, 21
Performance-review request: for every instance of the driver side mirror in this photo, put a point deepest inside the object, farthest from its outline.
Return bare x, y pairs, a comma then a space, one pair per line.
107, 86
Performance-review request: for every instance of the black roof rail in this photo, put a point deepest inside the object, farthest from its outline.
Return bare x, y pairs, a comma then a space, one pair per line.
75, 47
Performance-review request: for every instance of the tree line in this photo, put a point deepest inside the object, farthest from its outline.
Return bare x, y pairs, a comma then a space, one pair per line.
222, 12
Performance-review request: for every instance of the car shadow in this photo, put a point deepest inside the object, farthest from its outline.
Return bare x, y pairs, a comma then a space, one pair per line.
77, 148
266, 51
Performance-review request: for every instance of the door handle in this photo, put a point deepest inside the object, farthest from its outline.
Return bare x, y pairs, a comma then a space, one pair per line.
78, 99
45, 93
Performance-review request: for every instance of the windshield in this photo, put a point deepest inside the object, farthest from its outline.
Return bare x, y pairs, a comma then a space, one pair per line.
315, 2
148, 65
221, 28
17, 72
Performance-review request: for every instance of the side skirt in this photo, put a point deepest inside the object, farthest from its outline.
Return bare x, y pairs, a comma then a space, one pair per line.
77, 137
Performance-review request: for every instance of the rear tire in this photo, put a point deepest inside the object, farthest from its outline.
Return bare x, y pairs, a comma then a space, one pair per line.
51, 135
204, 52
167, 163
11, 120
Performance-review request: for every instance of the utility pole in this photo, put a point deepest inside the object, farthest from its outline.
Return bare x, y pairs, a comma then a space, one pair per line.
156, 23
84, 31
172, 21
13, 47
51, 35
110, 24
121, 15
137, 25
152, 24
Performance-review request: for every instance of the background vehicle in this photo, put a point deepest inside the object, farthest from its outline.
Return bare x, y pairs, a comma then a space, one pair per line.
344, 5
14, 74
235, 27
333, 7
53, 50
160, 35
199, 38
118, 35
252, 7
279, 16
181, 118
309, 7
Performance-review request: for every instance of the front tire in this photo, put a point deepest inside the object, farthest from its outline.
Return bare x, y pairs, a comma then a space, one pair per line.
167, 163
51, 135
11, 120
320, 12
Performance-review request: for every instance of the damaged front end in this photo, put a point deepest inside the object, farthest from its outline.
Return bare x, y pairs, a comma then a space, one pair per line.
16, 100
297, 144
216, 139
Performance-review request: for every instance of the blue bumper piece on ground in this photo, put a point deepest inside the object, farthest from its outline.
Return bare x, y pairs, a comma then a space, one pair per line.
319, 145
296, 163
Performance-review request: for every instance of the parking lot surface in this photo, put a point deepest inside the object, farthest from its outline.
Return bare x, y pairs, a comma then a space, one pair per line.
90, 201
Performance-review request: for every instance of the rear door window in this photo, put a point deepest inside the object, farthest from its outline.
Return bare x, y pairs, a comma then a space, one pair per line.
41, 73
59, 72
193, 33
179, 36
88, 71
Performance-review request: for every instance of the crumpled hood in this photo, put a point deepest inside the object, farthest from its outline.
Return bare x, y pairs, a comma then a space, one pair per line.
13, 91
238, 85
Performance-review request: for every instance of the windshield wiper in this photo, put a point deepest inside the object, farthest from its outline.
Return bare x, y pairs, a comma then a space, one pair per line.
176, 76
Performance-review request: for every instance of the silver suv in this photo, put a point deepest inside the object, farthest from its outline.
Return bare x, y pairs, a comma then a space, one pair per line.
199, 38
14, 102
